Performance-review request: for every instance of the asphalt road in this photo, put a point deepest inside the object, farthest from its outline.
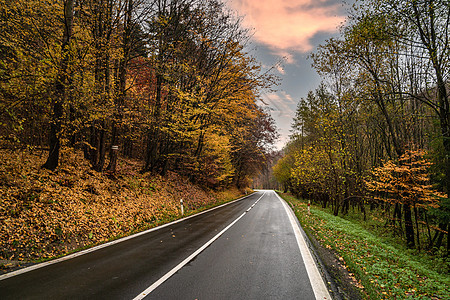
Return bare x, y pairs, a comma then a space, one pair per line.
248, 249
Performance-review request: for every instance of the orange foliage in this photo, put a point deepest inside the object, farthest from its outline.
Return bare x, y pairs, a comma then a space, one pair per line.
406, 182
45, 214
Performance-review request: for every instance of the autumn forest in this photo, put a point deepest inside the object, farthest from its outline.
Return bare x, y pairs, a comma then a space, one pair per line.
166, 82
111, 111
374, 137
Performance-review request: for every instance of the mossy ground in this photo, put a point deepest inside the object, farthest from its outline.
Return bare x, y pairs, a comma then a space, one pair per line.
381, 270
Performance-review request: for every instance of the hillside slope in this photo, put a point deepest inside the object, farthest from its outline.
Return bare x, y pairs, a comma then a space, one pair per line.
45, 214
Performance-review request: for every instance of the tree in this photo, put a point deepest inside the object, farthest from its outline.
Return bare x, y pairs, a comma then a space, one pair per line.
61, 84
407, 183
426, 23
132, 45
191, 95
169, 80
251, 146
379, 95
28, 69
282, 171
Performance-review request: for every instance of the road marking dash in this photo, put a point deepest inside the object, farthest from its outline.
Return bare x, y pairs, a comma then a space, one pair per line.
95, 248
169, 274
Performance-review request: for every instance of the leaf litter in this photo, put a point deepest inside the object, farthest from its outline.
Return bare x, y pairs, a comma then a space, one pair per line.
45, 214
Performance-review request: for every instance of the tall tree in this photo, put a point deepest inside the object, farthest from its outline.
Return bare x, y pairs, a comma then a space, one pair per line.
131, 45
60, 89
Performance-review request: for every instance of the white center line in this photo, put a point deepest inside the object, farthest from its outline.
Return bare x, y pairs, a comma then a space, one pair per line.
190, 257
76, 254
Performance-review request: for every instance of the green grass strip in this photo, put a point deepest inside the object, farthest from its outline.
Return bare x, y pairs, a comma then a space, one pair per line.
384, 271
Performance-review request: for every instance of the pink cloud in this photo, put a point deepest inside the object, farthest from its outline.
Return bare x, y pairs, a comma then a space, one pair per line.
289, 25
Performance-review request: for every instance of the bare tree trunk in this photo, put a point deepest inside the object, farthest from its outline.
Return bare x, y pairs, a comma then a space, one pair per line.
60, 90
409, 227
121, 91
154, 133
398, 217
101, 149
416, 216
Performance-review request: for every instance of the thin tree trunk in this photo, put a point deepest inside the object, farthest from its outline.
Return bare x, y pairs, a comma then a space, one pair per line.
430, 242
409, 227
101, 148
121, 93
114, 151
416, 216
154, 133
363, 208
398, 217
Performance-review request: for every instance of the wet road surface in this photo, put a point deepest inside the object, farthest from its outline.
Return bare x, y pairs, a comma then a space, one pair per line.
252, 253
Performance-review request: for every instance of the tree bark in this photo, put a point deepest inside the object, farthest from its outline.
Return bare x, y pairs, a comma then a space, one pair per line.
60, 90
398, 217
154, 132
409, 227
416, 217
121, 83
429, 38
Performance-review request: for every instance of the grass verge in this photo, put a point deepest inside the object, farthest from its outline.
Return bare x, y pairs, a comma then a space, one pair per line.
382, 270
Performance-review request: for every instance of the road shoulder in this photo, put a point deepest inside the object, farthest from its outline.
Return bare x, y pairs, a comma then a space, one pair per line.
316, 274
339, 280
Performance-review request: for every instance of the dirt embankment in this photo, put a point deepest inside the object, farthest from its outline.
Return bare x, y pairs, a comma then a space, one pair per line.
44, 214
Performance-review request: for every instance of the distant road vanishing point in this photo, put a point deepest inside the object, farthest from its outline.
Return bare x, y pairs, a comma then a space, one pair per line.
251, 248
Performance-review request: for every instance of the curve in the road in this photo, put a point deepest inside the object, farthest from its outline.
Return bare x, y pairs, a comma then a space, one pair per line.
108, 244
191, 257
245, 248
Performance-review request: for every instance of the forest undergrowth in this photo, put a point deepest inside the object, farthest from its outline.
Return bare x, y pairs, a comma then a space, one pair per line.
46, 214
382, 268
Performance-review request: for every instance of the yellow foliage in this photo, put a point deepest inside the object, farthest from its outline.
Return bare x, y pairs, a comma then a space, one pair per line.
45, 214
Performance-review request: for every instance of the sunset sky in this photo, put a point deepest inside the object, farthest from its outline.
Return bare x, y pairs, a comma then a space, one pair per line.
289, 30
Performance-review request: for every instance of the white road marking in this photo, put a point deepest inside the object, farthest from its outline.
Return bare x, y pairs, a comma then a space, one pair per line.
190, 257
317, 283
51, 262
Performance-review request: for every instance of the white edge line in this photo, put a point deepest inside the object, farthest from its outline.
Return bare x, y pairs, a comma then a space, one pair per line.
83, 252
317, 283
188, 259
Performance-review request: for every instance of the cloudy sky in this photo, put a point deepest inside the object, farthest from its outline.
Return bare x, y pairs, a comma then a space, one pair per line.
289, 30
